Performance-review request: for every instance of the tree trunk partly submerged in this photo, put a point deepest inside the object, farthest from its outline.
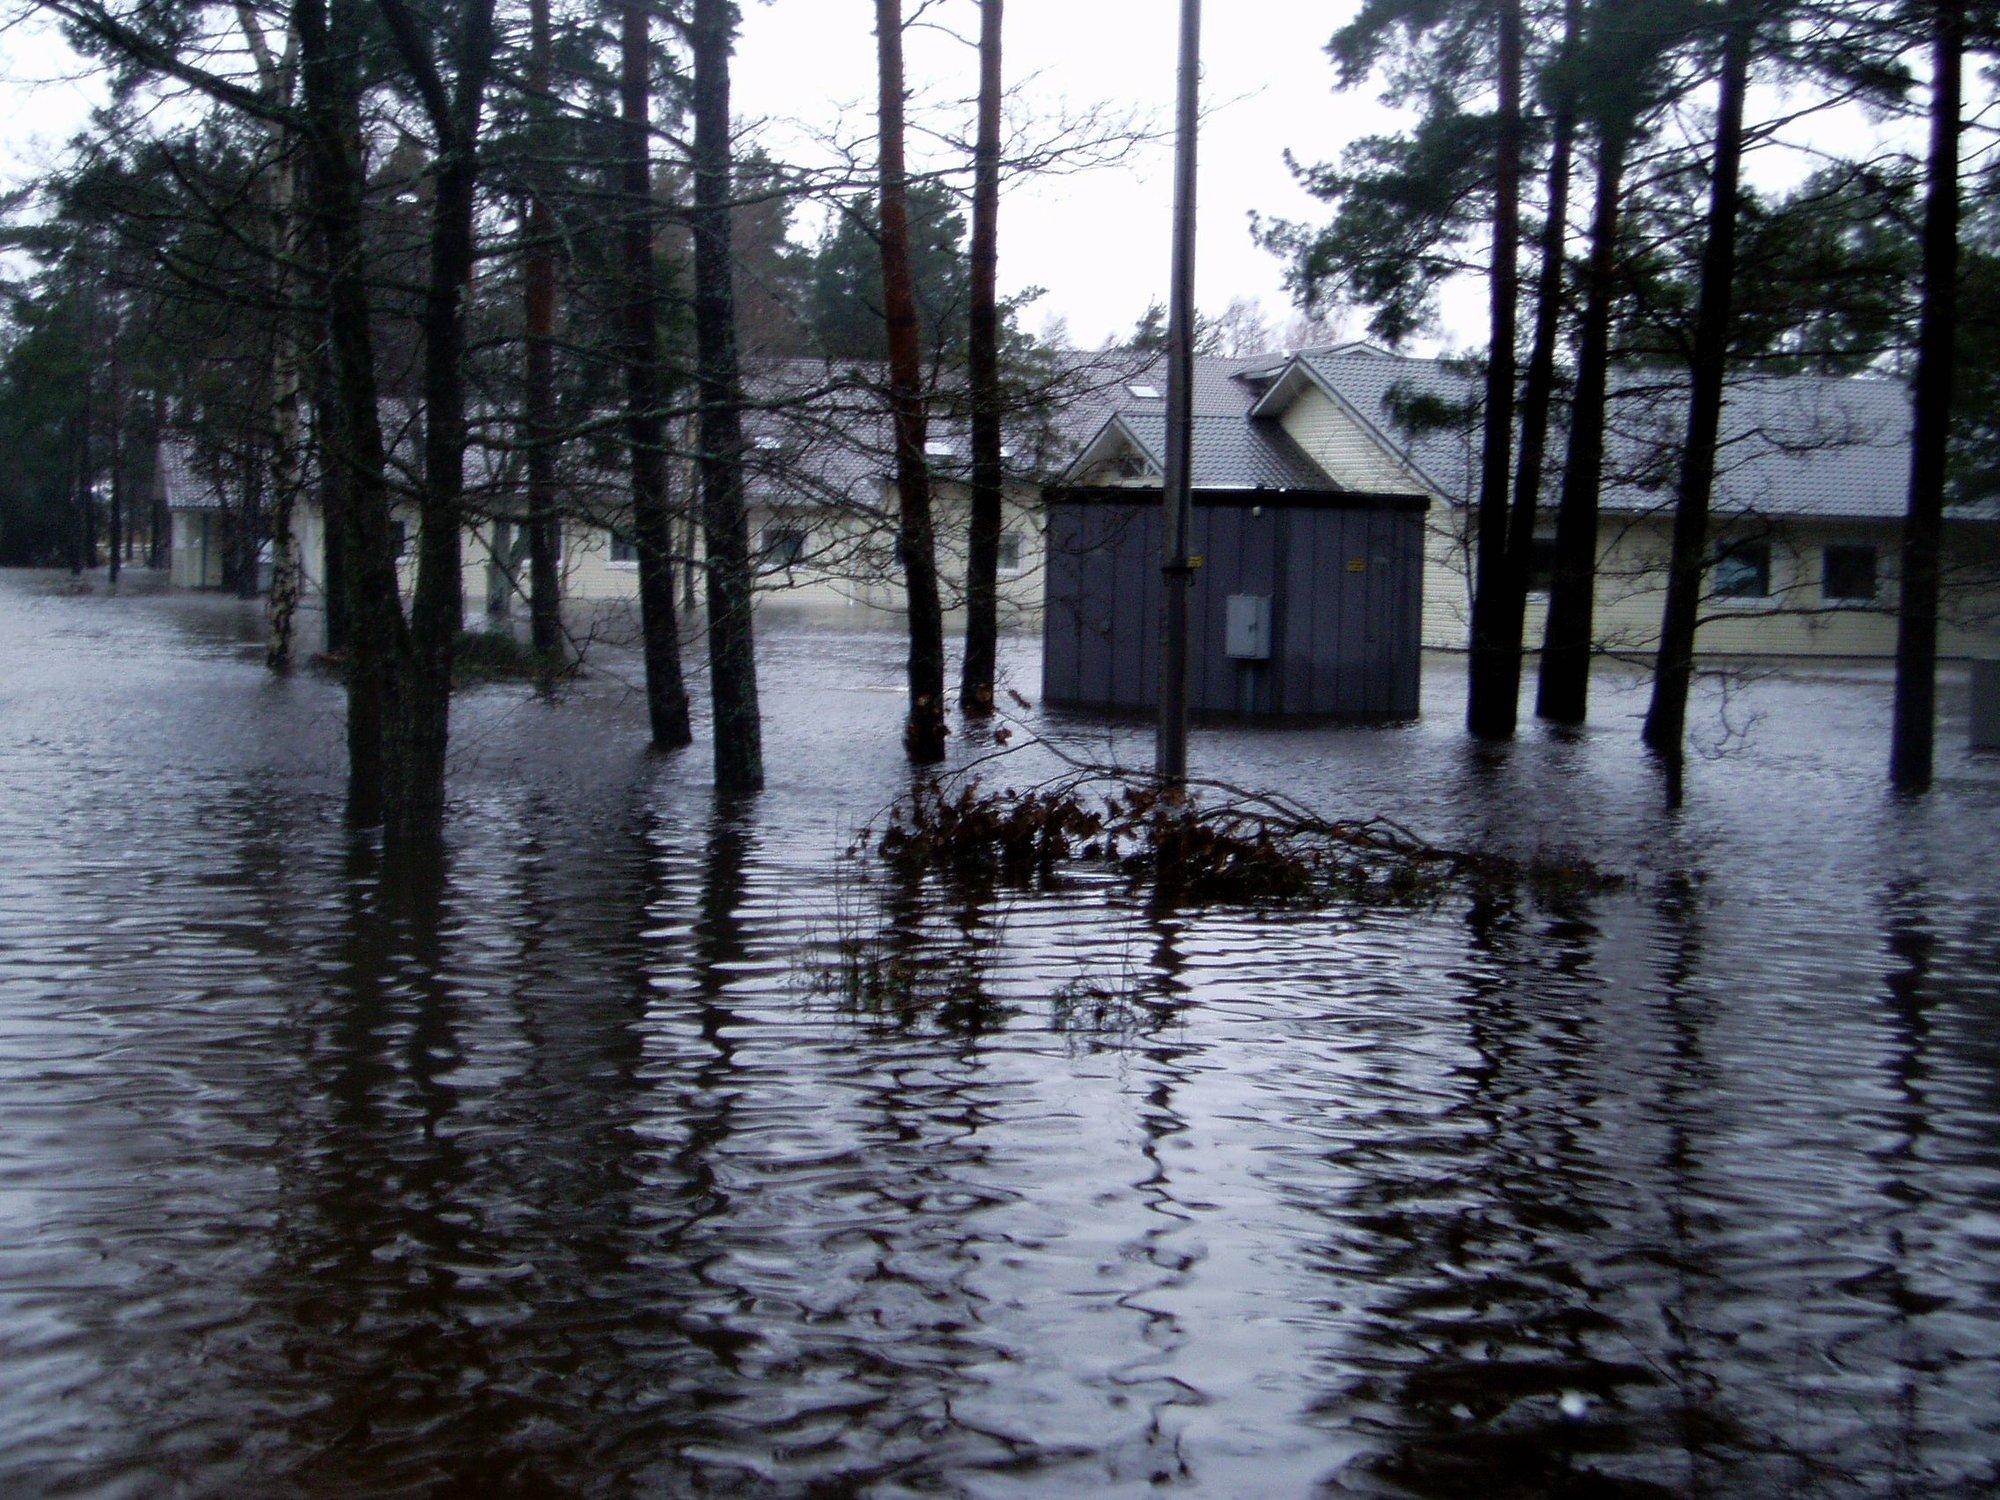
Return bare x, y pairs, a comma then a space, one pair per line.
1537, 399
330, 33
1666, 718
916, 543
982, 556
1564, 695
421, 727
1915, 729
538, 276
645, 429
732, 654
1486, 715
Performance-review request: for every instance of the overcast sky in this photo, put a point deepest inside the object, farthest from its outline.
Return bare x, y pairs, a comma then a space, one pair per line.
1099, 242
1096, 241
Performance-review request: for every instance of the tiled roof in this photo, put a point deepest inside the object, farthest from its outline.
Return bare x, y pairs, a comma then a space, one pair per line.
1791, 446
1234, 453
1379, 386
185, 486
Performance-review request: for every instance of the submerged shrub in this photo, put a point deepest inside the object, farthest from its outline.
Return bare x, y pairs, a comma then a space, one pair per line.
1208, 846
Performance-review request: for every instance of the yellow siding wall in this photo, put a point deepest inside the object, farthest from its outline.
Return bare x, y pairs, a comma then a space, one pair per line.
1795, 620
850, 559
850, 562
1343, 447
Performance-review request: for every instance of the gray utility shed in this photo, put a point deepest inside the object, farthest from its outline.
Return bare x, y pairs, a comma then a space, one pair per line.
1306, 604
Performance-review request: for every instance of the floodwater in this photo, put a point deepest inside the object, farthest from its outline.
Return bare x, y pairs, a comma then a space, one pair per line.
565, 1171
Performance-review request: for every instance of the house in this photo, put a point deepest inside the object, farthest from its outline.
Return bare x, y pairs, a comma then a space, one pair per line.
198, 518
821, 495
1807, 514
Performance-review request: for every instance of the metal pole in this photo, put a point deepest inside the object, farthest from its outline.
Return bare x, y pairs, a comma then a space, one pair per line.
1177, 497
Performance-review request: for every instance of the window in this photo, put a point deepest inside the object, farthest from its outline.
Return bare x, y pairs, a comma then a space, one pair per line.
1010, 551
1541, 564
783, 547
938, 448
1743, 571
1847, 573
1145, 392
623, 549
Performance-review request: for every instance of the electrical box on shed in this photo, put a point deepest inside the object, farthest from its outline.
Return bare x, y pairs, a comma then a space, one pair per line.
1247, 627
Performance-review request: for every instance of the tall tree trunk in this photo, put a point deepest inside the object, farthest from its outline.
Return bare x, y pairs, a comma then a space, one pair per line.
1485, 714
274, 77
115, 377
916, 541
1537, 396
287, 437
333, 505
691, 557
79, 532
1564, 695
289, 469
982, 558
666, 694
159, 530
1666, 718
330, 37
732, 655
84, 557
421, 730
243, 570
539, 280
1915, 728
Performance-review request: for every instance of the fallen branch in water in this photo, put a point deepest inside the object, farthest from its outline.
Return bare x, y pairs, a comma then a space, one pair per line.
1209, 843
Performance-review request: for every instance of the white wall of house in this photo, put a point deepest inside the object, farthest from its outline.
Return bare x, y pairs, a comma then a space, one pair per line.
194, 557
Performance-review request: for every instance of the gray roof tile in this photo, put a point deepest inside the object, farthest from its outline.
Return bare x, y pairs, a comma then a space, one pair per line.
1234, 453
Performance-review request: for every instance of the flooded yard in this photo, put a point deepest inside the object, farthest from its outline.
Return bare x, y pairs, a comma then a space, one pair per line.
567, 1171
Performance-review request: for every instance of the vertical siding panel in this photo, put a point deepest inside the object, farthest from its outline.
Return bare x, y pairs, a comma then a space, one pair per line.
1354, 618
1070, 545
1059, 643
1409, 613
1146, 531
1127, 609
1267, 559
1215, 546
1297, 535
1218, 672
1328, 580
1095, 569
1379, 581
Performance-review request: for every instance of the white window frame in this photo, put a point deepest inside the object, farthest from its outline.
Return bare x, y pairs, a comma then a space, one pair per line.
1020, 563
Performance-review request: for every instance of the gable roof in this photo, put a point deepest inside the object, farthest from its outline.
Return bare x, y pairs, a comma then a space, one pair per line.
1230, 452
182, 483
1792, 446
